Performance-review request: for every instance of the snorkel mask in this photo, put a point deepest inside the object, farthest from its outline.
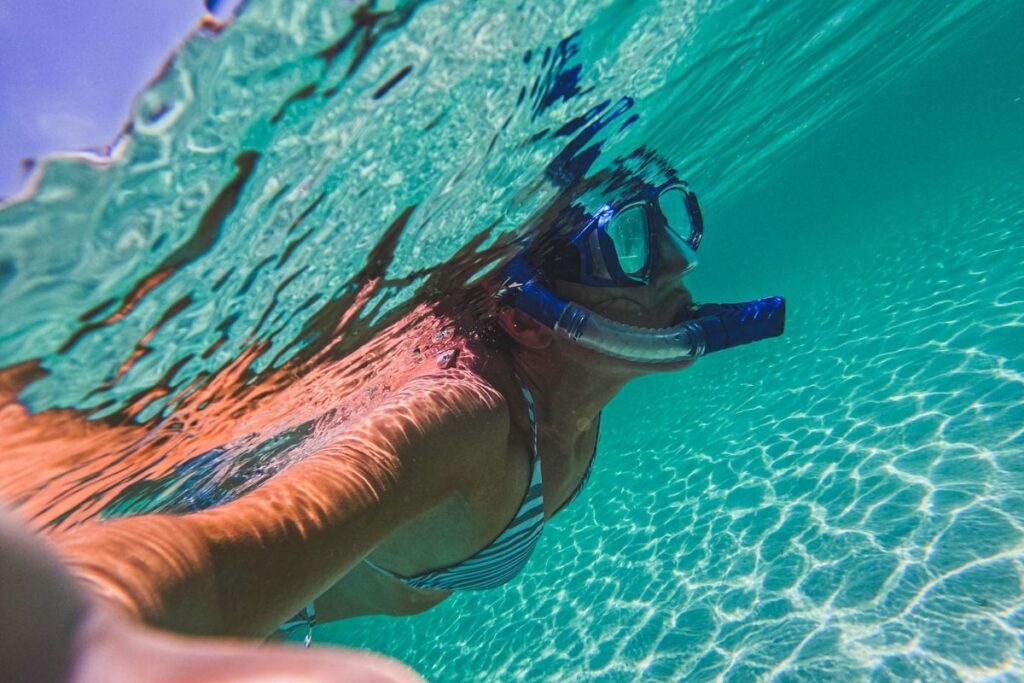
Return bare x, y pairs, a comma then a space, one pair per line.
619, 246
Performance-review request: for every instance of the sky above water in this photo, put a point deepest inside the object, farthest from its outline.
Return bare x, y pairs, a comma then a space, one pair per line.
69, 71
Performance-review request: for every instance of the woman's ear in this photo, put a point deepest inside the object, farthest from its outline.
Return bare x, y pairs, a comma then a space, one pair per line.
524, 328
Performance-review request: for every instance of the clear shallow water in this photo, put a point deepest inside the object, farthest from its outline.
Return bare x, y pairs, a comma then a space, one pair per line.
841, 503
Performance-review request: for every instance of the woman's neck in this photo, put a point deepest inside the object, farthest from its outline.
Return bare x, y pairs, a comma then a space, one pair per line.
569, 393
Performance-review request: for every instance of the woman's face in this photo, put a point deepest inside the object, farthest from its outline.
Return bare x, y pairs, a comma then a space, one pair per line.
663, 303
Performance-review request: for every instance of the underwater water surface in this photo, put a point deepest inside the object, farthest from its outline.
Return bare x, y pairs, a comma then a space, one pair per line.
843, 503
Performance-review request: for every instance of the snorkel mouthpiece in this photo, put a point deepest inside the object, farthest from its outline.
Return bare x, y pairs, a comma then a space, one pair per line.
728, 325
715, 327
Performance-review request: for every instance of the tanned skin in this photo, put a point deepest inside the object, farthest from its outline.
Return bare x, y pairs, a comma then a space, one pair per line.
425, 477
51, 632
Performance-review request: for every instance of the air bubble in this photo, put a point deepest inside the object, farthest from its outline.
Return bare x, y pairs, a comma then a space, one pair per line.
446, 359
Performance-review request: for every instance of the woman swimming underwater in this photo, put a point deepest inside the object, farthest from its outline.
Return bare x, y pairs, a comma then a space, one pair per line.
446, 480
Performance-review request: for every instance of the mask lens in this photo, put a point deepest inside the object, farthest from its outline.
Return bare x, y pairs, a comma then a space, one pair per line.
673, 204
628, 232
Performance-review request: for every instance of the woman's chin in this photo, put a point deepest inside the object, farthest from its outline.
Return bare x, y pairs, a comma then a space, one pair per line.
674, 366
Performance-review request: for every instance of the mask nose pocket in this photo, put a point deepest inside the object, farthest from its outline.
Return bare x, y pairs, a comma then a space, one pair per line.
692, 261
679, 256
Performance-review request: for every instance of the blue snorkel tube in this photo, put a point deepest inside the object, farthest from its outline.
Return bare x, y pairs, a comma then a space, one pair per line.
715, 326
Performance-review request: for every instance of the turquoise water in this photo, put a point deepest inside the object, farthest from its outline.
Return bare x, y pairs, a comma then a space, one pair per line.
844, 503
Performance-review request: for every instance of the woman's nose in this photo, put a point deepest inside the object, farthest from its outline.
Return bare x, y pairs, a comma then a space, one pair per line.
676, 258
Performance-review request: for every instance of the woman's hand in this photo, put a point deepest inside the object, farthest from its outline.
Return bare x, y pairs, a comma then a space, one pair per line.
51, 631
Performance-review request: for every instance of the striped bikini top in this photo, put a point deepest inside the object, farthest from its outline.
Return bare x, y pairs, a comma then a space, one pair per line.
506, 555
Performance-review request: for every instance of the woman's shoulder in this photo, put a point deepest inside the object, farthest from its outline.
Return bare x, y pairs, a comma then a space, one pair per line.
451, 372
453, 413
436, 388
453, 395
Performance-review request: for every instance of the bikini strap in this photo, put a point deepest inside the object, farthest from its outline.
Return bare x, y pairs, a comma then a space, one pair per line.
531, 412
306, 618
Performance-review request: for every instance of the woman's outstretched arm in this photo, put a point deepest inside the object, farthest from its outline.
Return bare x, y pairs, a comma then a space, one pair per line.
51, 633
245, 567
